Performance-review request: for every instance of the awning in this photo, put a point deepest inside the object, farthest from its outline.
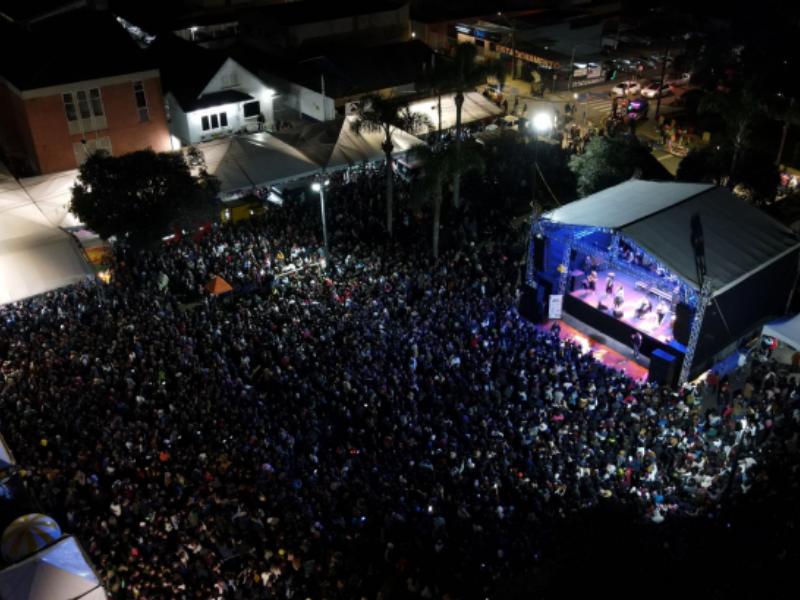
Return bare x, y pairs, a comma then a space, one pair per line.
475, 108
786, 330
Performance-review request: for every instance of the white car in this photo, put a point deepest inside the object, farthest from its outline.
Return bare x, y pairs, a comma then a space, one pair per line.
626, 88
654, 90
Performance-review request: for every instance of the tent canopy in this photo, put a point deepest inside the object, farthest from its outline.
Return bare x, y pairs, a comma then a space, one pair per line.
475, 108
36, 256
739, 239
58, 572
334, 145
246, 161
786, 330
218, 286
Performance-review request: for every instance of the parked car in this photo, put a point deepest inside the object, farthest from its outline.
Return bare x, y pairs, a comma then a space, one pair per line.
682, 79
655, 90
626, 88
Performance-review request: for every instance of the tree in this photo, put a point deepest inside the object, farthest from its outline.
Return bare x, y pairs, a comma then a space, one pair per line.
138, 196
609, 161
466, 73
385, 115
439, 163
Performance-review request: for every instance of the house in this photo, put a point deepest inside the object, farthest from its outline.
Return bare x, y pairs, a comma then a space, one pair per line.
319, 83
76, 83
209, 94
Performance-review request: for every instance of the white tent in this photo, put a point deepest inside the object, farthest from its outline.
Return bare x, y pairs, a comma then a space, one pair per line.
36, 256
352, 148
475, 108
58, 572
245, 161
786, 330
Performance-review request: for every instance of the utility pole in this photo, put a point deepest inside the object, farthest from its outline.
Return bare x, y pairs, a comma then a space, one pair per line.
513, 44
661, 82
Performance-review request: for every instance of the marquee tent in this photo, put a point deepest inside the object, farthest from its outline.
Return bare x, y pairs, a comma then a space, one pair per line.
475, 108
785, 330
58, 572
334, 145
242, 162
36, 255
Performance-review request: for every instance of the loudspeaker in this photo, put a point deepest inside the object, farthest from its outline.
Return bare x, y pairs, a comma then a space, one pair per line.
530, 306
682, 326
539, 244
664, 368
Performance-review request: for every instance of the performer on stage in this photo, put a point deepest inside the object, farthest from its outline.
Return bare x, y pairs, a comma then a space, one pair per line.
619, 297
591, 281
610, 282
636, 342
644, 308
661, 310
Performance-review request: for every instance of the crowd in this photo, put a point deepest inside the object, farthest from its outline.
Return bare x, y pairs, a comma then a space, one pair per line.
388, 427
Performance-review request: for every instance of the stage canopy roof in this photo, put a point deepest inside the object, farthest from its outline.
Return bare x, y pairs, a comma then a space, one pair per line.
36, 255
58, 572
787, 330
475, 108
739, 238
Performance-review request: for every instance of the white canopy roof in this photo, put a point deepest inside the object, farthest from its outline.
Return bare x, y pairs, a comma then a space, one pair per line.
475, 108
59, 572
786, 330
352, 148
36, 255
245, 161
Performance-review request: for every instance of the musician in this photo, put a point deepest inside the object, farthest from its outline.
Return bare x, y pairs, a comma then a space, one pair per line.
619, 297
661, 311
587, 264
645, 307
610, 282
636, 342
590, 282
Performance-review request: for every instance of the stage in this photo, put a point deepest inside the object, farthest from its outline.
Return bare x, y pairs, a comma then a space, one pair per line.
647, 323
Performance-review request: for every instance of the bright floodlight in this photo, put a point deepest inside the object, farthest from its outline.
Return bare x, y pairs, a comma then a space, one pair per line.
316, 186
542, 122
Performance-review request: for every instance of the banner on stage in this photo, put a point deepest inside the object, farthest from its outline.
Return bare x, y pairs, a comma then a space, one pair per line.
555, 306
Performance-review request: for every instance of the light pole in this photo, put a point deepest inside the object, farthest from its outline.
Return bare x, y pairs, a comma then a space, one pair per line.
540, 123
513, 44
319, 187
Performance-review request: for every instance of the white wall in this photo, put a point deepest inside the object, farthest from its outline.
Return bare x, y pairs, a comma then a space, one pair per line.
178, 124
195, 122
233, 76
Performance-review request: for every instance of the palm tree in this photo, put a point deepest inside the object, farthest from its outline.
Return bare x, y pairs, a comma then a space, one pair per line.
466, 74
439, 163
385, 115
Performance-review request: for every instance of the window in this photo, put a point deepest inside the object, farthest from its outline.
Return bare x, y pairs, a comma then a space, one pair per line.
141, 101
97, 103
214, 121
251, 109
86, 147
83, 105
69, 107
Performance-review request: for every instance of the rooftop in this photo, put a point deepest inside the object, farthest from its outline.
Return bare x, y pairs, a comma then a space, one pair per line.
315, 11
75, 46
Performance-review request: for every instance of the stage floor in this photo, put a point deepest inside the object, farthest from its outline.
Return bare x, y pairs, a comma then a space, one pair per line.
602, 352
647, 324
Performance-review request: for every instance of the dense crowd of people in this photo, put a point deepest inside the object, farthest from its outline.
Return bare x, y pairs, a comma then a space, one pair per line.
386, 427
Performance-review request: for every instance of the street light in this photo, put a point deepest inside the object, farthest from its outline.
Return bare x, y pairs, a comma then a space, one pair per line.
319, 187
541, 122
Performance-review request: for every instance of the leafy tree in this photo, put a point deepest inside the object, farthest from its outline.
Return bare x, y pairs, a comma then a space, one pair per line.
439, 163
609, 161
466, 73
385, 115
756, 175
138, 196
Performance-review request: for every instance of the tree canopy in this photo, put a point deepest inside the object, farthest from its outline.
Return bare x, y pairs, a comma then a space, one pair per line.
608, 161
139, 196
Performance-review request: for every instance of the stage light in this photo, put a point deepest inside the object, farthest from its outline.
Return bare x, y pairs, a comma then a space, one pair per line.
316, 186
